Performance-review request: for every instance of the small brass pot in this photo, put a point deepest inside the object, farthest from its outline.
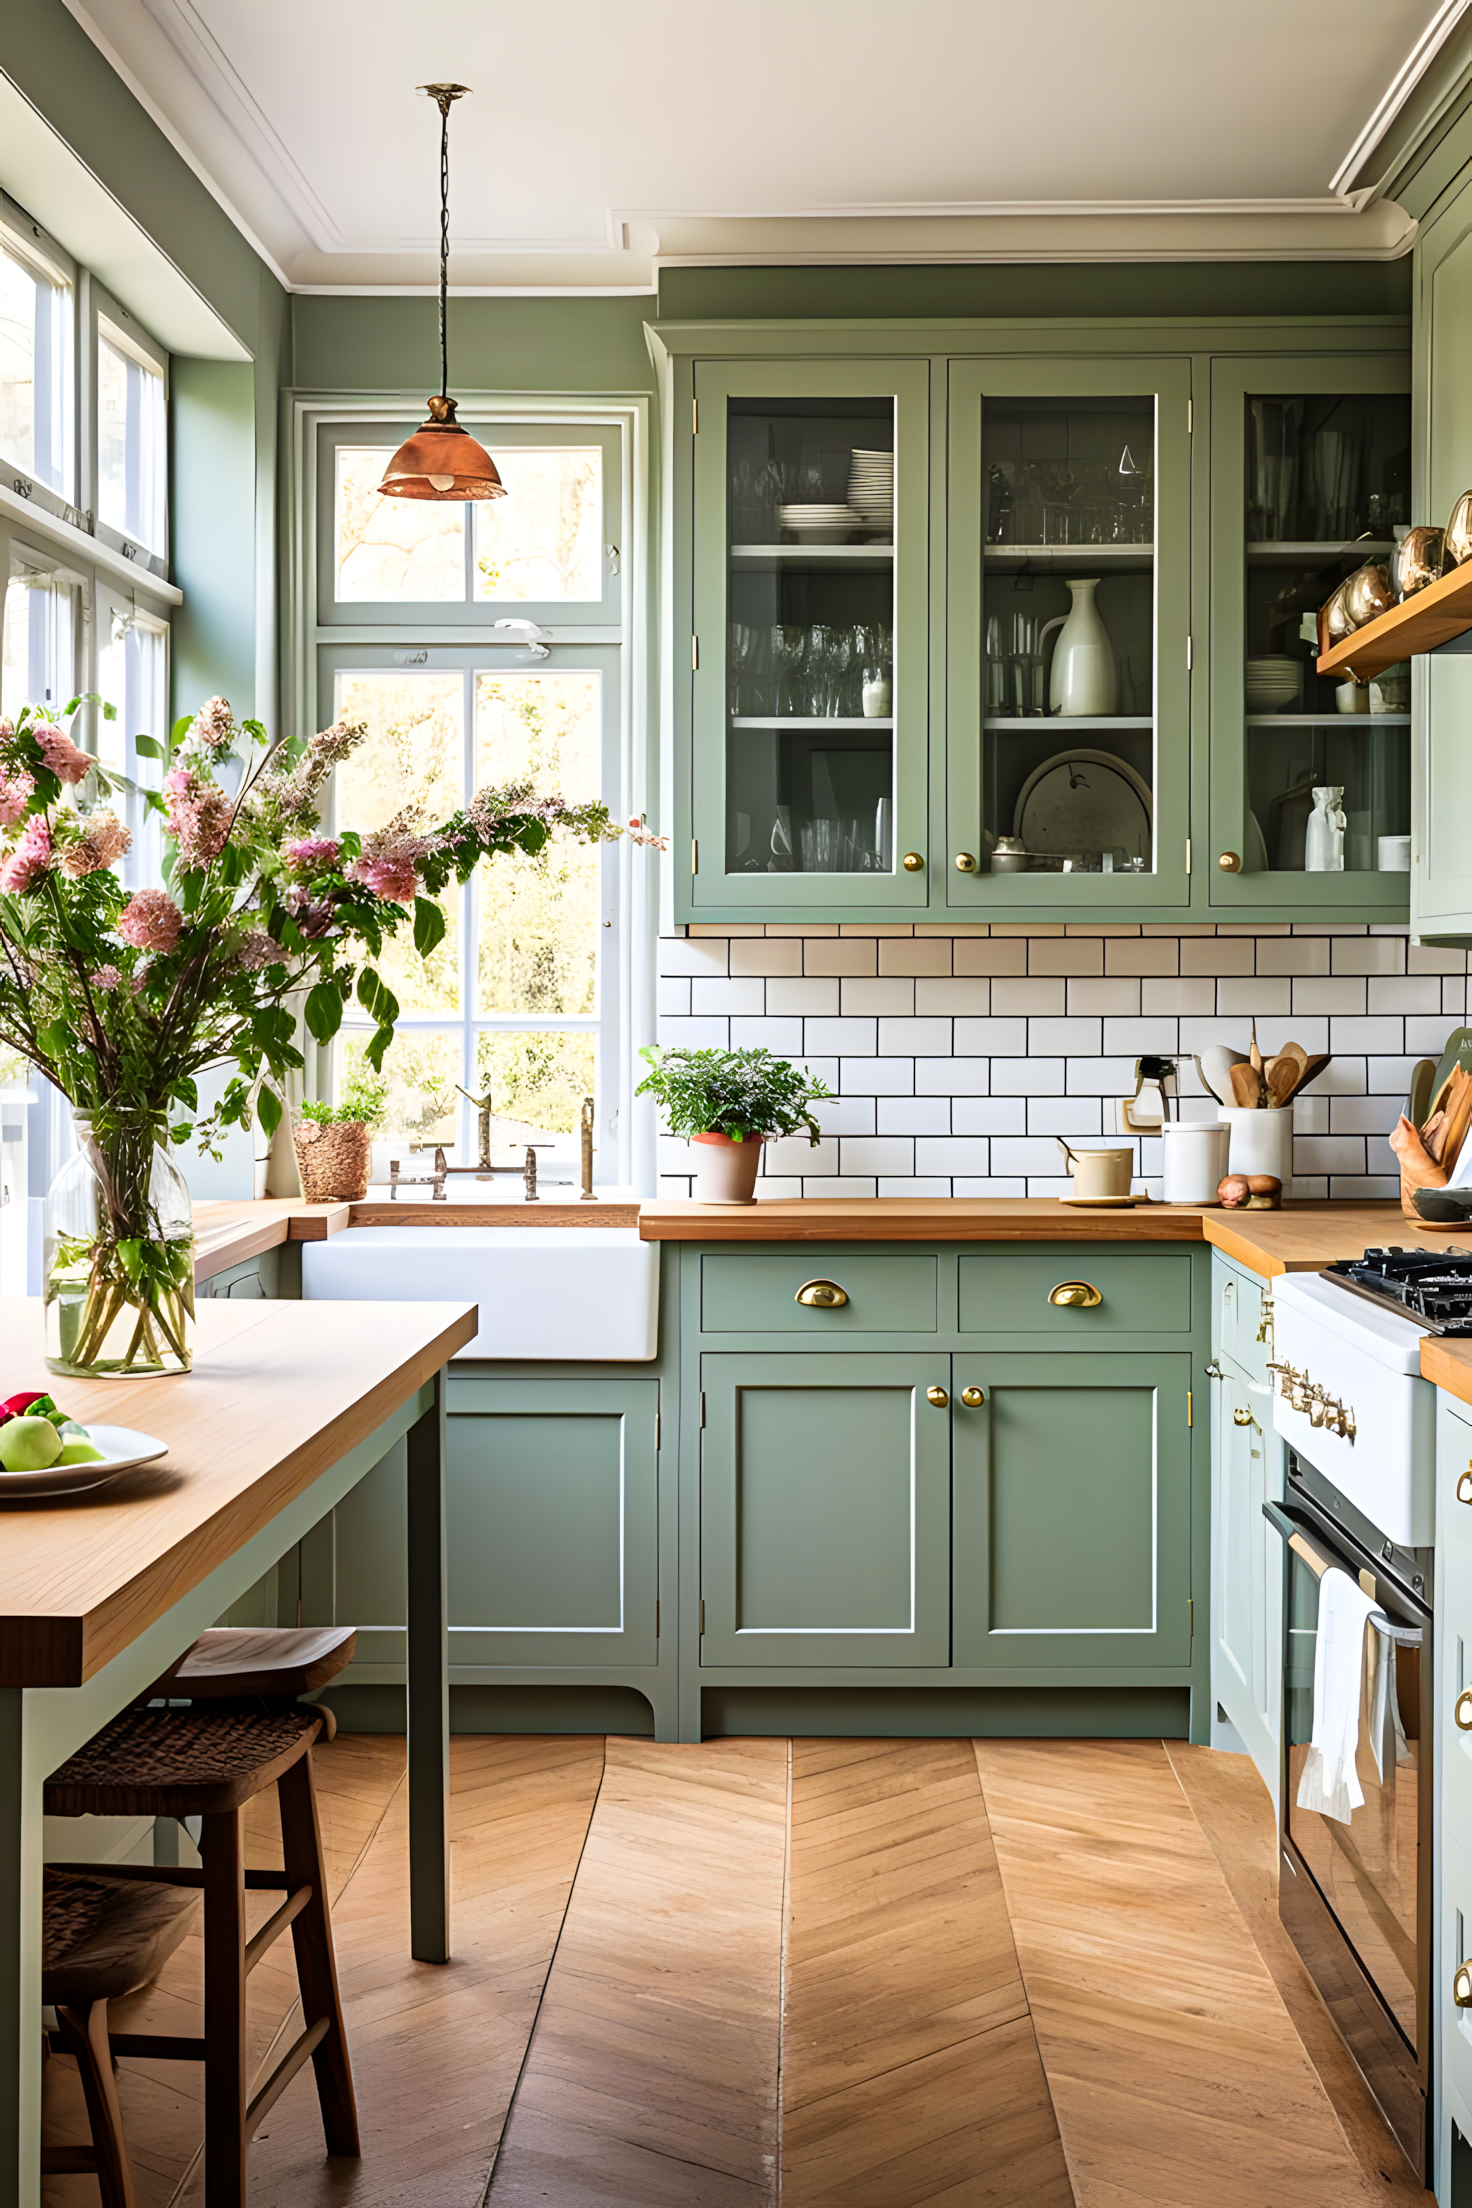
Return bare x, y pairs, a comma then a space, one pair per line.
1367, 593
1334, 621
1457, 545
1417, 561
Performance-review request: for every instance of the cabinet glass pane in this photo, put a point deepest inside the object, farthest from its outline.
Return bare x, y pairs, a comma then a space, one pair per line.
1069, 518
1327, 485
809, 668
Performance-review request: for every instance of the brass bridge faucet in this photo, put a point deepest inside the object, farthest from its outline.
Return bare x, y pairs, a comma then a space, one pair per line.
585, 1128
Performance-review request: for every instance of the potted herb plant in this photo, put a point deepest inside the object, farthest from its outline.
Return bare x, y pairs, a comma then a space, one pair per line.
334, 1141
728, 1102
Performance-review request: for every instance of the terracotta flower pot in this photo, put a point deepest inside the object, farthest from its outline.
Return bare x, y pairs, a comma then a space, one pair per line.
332, 1161
726, 1170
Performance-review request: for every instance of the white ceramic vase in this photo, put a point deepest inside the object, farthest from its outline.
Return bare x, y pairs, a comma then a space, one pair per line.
1323, 843
1084, 679
725, 1171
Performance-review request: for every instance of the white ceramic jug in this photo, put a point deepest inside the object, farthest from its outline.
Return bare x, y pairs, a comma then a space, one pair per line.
1083, 678
1323, 843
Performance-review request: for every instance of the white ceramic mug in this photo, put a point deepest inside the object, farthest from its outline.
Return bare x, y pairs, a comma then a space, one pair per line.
1261, 1141
1195, 1160
1098, 1173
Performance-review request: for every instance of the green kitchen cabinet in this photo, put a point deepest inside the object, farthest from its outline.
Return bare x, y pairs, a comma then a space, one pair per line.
1072, 1510
1310, 476
825, 1510
809, 766
1247, 1470
551, 1494
1069, 502
1441, 851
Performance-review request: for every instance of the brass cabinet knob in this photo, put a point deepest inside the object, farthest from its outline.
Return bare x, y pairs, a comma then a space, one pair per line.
965, 862
1462, 1711
973, 1398
1242, 1418
821, 1295
938, 1397
1464, 1486
1230, 862
1075, 1295
1462, 1986
913, 862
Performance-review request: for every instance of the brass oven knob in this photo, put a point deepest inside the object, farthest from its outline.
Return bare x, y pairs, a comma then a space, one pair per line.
1075, 1295
913, 862
1462, 1711
938, 1397
973, 1398
1464, 1486
965, 862
1462, 1986
1230, 862
821, 1295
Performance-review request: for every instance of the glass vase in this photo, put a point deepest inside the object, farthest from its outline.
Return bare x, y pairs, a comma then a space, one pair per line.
119, 1250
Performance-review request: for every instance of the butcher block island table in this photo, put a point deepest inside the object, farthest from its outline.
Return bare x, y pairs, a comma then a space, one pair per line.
289, 1405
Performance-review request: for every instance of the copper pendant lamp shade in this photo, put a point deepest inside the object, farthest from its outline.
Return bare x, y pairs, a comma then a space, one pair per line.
441, 460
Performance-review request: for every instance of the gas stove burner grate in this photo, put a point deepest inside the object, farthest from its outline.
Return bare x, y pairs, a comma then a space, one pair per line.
1433, 1287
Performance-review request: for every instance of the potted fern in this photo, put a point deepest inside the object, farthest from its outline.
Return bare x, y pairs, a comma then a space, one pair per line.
727, 1103
333, 1143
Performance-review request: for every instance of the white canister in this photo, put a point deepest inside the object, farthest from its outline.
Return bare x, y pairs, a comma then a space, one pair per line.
1394, 854
1261, 1141
1195, 1160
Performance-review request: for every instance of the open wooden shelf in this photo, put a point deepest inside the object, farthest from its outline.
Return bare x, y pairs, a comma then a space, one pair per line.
1434, 616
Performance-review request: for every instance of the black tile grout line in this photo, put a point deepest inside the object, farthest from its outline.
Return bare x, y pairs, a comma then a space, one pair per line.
531, 2036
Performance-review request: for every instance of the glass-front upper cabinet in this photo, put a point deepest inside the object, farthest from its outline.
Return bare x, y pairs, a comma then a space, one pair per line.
1068, 618
1310, 779
808, 770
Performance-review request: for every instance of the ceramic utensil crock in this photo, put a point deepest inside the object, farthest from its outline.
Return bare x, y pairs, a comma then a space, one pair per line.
1261, 1141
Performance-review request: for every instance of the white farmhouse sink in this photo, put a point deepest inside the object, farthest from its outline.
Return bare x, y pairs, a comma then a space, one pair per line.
555, 1292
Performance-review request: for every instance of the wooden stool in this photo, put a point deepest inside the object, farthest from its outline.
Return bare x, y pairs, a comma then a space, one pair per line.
278, 1663
208, 1763
102, 1937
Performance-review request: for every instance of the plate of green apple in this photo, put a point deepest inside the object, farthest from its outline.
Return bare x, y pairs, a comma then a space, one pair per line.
43, 1451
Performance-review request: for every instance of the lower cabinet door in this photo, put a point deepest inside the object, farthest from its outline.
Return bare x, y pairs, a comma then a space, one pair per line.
551, 1506
825, 1510
1072, 1511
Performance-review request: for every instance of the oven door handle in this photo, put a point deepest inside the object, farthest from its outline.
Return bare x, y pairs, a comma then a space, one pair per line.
1294, 1535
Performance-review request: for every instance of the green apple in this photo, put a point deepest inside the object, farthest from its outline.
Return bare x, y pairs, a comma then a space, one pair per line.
84, 1451
29, 1444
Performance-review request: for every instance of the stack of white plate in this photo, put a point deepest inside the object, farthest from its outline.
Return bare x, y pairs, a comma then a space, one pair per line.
1274, 685
871, 488
820, 524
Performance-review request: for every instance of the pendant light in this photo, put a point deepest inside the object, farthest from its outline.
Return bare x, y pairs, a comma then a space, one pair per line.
442, 460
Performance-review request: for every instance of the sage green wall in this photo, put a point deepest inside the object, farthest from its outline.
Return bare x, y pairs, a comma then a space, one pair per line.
224, 519
342, 343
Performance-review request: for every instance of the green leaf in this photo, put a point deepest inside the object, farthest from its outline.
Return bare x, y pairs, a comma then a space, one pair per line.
185, 1092
179, 731
429, 926
373, 1054
109, 710
324, 1011
148, 747
268, 1110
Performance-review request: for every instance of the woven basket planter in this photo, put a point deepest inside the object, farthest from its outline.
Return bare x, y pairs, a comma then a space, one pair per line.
333, 1161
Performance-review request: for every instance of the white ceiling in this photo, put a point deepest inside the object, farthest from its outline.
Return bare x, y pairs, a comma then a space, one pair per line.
602, 140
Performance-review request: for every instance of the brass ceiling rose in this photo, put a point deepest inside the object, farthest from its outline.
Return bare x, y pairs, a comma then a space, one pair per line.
441, 460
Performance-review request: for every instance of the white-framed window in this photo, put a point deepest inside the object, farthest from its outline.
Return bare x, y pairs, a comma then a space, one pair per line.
132, 438
38, 342
41, 660
527, 998
133, 678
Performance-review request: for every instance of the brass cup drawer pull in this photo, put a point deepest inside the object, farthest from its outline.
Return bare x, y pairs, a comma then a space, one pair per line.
1075, 1295
1464, 1486
821, 1295
1462, 1986
1462, 1711
1243, 1418
938, 1397
973, 1398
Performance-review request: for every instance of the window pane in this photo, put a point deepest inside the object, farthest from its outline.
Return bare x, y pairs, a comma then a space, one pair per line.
536, 1083
421, 1069
392, 549
132, 445
544, 539
411, 762
35, 372
538, 920
132, 675
38, 666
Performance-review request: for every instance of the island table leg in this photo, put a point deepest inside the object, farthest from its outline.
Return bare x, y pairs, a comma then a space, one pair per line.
20, 1963
428, 1689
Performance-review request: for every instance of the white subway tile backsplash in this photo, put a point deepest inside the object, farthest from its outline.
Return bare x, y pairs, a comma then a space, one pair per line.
959, 1055
1362, 1188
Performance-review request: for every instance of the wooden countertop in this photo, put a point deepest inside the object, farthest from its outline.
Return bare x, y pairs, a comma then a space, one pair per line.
1448, 1365
279, 1393
1300, 1238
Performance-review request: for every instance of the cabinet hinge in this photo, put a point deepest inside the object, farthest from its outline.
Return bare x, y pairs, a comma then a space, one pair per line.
656, 1432
1188, 655
656, 1621
702, 1407
695, 854
695, 417
1188, 854
1188, 1406
702, 1617
695, 655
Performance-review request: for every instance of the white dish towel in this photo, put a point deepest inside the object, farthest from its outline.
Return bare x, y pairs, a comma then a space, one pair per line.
1330, 1784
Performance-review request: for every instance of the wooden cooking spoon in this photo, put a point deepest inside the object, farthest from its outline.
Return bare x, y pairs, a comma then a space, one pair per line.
1281, 1075
1311, 1071
1296, 1052
1247, 1086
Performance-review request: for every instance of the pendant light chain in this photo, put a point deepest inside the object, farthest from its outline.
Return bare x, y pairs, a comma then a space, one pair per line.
445, 98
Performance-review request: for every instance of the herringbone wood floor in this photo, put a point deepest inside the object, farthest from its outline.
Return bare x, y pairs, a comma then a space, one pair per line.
830, 1973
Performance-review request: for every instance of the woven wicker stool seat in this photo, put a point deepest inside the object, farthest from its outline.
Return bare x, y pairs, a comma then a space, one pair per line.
276, 1662
207, 1761
102, 1937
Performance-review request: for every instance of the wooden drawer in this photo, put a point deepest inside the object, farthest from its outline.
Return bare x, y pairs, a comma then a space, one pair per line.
1007, 1291
755, 1292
